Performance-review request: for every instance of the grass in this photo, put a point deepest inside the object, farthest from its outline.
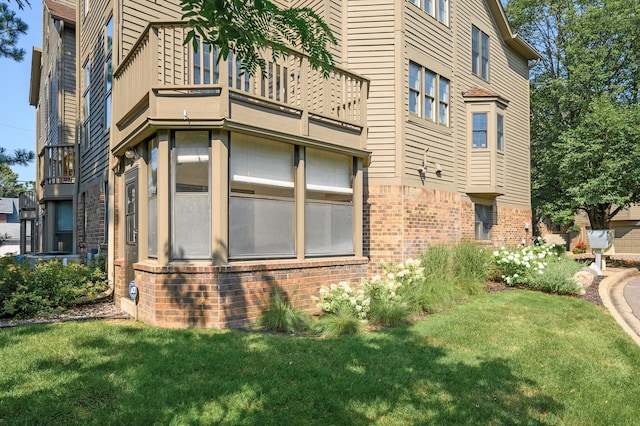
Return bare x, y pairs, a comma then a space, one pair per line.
516, 357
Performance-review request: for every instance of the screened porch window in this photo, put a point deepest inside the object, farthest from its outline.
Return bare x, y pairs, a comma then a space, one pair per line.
152, 207
329, 204
261, 203
191, 195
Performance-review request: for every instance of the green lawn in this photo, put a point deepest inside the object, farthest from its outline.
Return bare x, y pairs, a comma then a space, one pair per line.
514, 357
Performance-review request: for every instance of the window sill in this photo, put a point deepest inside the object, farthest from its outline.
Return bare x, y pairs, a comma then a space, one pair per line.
153, 267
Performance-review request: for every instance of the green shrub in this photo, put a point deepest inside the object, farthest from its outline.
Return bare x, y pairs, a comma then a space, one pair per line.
556, 277
283, 318
47, 287
342, 321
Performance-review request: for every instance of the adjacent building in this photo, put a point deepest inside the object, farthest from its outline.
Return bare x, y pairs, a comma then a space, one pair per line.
210, 189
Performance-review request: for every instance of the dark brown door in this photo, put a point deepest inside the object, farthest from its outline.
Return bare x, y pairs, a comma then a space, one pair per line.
131, 222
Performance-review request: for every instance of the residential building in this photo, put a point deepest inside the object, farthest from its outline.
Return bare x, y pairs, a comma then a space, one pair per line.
9, 226
220, 188
53, 93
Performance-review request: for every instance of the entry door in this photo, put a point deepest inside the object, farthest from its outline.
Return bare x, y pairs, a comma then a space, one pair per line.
131, 222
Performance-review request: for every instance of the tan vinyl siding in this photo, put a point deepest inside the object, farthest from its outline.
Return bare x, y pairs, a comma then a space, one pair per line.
137, 14
331, 13
508, 77
429, 43
371, 52
68, 106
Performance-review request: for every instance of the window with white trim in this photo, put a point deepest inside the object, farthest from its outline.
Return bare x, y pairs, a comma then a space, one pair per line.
261, 202
329, 203
429, 95
479, 53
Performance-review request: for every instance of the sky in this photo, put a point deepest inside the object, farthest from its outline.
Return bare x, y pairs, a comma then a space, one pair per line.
17, 117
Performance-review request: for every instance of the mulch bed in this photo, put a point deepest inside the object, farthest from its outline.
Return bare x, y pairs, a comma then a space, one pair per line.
592, 294
105, 309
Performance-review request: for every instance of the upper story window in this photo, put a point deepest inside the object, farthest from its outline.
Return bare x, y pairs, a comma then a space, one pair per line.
500, 132
86, 104
437, 8
429, 95
108, 70
479, 53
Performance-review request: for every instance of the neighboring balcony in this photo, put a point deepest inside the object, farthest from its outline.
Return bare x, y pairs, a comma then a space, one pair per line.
28, 205
163, 83
57, 171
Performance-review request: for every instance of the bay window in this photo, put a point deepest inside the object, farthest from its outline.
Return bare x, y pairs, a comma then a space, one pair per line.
329, 203
191, 195
261, 202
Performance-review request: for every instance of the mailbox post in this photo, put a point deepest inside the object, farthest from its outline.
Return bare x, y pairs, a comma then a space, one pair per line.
600, 239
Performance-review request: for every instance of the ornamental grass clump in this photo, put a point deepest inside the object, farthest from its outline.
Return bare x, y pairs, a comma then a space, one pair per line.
281, 317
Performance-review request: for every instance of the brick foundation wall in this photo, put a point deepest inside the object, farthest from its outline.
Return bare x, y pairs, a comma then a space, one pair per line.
400, 221
231, 296
91, 235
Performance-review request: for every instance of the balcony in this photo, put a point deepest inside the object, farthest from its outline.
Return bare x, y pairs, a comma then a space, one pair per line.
28, 205
163, 83
57, 171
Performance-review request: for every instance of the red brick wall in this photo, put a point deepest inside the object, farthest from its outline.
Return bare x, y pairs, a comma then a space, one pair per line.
400, 221
230, 296
92, 235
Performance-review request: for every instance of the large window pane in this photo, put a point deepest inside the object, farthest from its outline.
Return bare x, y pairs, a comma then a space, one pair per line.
430, 95
483, 221
329, 207
191, 197
192, 161
261, 227
152, 184
500, 133
414, 88
479, 130
261, 205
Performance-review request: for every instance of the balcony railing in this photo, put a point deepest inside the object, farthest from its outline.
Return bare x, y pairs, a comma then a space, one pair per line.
160, 62
59, 164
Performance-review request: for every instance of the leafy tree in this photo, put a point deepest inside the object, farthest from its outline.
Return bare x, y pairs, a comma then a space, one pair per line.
9, 186
248, 27
584, 105
11, 28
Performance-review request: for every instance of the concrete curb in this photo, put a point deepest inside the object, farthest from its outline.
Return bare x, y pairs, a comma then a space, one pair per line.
613, 299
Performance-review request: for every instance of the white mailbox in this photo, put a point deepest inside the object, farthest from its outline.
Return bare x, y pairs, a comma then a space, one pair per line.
601, 239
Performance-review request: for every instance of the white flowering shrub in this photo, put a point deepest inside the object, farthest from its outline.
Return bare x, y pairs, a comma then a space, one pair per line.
342, 295
385, 288
516, 266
